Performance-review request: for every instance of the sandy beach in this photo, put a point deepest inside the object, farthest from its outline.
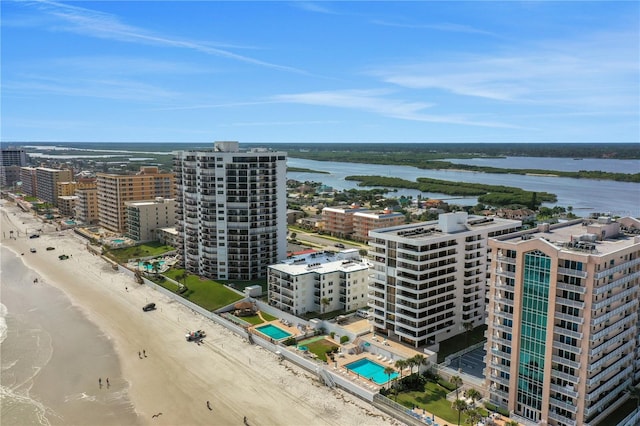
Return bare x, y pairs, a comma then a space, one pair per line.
176, 378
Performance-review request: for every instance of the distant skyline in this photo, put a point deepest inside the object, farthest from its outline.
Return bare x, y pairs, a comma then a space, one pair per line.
320, 72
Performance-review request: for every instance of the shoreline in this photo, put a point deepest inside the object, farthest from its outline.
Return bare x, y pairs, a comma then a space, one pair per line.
177, 378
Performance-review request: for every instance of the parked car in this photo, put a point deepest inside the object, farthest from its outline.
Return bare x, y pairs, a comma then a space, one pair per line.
149, 307
34, 236
32, 250
50, 248
340, 245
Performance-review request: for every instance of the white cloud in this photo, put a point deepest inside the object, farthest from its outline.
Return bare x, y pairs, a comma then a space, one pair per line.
376, 101
103, 25
551, 73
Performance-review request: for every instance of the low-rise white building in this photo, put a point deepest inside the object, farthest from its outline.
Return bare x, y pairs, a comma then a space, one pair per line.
319, 282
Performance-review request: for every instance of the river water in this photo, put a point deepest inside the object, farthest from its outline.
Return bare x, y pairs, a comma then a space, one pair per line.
586, 196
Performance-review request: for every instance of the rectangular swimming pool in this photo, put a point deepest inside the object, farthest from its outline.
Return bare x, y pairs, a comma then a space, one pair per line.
276, 333
371, 370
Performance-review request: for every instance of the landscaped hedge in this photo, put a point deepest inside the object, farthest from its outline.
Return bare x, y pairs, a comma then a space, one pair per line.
491, 407
447, 385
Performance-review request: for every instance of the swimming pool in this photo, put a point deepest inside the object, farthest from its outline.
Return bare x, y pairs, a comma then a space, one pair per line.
272, 331
371, 370
149, 267
117, 241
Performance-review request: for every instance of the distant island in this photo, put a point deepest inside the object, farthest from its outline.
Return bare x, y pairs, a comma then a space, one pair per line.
496, 195
303, 170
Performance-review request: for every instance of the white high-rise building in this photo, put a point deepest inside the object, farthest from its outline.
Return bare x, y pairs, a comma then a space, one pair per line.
319, 282
429, 278
231, 210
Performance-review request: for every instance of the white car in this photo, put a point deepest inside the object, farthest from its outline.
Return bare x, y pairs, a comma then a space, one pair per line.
32, 250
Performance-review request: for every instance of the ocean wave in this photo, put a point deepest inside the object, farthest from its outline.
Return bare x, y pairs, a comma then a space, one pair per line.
3, 322
11, 398
82, 396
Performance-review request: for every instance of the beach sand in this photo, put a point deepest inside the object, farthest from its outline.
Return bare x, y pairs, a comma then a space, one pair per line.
176, 378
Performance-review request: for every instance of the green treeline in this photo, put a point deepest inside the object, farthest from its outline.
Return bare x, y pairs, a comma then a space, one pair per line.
431, 161
494, 195
303, 170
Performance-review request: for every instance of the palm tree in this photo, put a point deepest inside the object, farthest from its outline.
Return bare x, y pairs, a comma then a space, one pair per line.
511, 423
473, 416
473, 395
459, 405
325, 302
420, 360
389, 371
401, 364
411, 363
457, 382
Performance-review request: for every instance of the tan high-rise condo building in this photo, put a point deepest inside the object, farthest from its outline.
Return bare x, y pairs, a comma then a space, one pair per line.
114, 190
562, 338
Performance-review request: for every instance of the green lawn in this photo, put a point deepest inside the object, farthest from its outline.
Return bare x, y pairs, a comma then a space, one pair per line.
434, 400
268, 317
457, 343
253, 319
209, 294
153, 248
320, 347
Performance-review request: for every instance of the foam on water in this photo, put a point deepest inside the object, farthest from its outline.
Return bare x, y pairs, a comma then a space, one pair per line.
3, 322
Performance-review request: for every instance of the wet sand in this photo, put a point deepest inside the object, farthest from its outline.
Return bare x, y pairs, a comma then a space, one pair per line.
177, 378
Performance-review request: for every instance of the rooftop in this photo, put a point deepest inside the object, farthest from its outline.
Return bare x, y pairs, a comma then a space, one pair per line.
322, 262
449, 223
596, 237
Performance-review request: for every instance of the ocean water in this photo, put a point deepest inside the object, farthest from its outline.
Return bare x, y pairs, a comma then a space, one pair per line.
51, 357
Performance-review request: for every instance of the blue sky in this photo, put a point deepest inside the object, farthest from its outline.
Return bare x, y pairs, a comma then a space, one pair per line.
319, 72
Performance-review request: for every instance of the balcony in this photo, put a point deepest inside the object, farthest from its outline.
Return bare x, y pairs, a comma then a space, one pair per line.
606, 401
629, 305
617, 283
568, 302
617, 268
614, 298
612, 369
572, 272
558, 417
610, 329
559, 360
614, 354
559, 330
565, 390
564, 405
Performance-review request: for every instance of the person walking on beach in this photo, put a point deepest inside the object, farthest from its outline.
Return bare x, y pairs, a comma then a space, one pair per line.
209, 405
100, 381
108, 382
144, 353
139, 355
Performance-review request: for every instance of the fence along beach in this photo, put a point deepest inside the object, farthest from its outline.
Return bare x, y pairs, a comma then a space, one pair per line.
175, 378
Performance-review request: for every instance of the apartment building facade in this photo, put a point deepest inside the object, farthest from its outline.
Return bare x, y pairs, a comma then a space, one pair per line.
366, 221
562, 337
319, 282
86, 209
145, 217
29, 181
47, 183
231, 210
115, 190
429, 278
338, 221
